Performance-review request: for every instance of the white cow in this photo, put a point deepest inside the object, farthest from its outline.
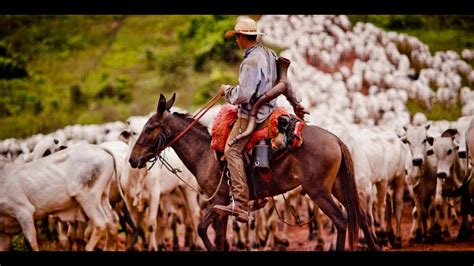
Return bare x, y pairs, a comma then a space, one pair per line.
58, 184
421, 180
448, 171
379, 159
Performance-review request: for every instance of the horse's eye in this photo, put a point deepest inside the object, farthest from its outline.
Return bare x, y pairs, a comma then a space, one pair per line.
450, 151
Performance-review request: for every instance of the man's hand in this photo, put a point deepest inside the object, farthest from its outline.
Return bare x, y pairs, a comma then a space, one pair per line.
299, 111
222, 89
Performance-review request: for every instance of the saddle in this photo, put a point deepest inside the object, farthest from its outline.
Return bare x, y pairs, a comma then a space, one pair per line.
279, 134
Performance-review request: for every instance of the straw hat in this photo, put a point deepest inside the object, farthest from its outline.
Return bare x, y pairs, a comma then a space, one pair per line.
246, 26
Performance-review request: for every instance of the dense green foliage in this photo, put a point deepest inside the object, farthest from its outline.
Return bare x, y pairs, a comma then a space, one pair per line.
443, 32
61, 70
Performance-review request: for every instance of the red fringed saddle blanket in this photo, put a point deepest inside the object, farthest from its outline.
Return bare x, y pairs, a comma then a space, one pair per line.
226, 117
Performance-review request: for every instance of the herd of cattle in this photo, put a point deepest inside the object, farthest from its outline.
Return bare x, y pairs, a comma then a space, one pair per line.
355, 81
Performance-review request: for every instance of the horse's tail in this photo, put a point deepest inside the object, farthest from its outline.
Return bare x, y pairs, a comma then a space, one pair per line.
351, 199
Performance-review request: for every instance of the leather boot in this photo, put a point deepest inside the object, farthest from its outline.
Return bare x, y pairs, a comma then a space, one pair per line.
240, 213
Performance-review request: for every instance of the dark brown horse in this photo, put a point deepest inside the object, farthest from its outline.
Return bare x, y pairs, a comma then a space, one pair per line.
322, 165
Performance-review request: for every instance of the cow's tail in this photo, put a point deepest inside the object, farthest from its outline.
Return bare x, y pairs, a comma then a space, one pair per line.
128, 216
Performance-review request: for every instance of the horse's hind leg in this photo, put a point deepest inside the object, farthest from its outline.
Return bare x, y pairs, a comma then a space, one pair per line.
331, 209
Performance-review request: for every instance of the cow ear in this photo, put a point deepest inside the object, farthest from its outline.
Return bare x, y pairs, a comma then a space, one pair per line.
125, 135
430, 140
161, 105
170, 102
451, 132
429, 152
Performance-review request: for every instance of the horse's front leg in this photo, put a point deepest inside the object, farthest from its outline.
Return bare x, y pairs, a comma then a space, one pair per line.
206, 220
220, 226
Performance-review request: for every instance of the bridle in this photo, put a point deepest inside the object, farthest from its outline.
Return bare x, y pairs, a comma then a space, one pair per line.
162, 138
158, 145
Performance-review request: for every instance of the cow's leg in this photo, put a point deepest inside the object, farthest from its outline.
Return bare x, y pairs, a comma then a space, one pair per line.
5, 242
63, 236
318, 219
381, 206
162, 222
24, 216
416, 233
398, 198
174, 231
112, 232
151, 219
96, 215
194, 214
445, 217
465, 228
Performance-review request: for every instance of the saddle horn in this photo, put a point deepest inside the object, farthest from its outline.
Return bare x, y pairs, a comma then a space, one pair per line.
278, 89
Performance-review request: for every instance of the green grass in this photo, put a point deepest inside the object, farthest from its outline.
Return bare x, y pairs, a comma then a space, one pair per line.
437, 112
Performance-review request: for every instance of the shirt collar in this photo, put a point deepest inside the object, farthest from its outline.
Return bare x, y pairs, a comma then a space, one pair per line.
250, 49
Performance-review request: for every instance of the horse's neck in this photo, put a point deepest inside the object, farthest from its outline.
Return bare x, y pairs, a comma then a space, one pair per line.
196, 154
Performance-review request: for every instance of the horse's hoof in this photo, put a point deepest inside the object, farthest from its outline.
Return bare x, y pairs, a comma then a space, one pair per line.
319, 247
464, 234
446, 234
382, 238
397, 243
283, 242
391, 237
240, 245
428, 239
418, 236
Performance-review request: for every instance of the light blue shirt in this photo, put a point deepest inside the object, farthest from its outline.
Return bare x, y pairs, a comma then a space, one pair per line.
257, 71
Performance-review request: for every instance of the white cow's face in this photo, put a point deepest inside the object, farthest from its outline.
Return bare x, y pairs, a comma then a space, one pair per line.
445, 151
135, 127
418, 143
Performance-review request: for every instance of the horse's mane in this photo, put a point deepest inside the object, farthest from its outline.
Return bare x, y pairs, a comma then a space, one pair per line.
187, 117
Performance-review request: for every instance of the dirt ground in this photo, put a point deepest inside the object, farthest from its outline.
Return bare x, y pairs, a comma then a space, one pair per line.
298, 238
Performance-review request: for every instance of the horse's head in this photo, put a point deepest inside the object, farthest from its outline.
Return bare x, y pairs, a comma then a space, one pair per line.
154, 135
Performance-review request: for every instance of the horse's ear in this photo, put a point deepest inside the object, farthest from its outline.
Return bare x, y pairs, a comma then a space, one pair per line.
170, 102
161, 105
